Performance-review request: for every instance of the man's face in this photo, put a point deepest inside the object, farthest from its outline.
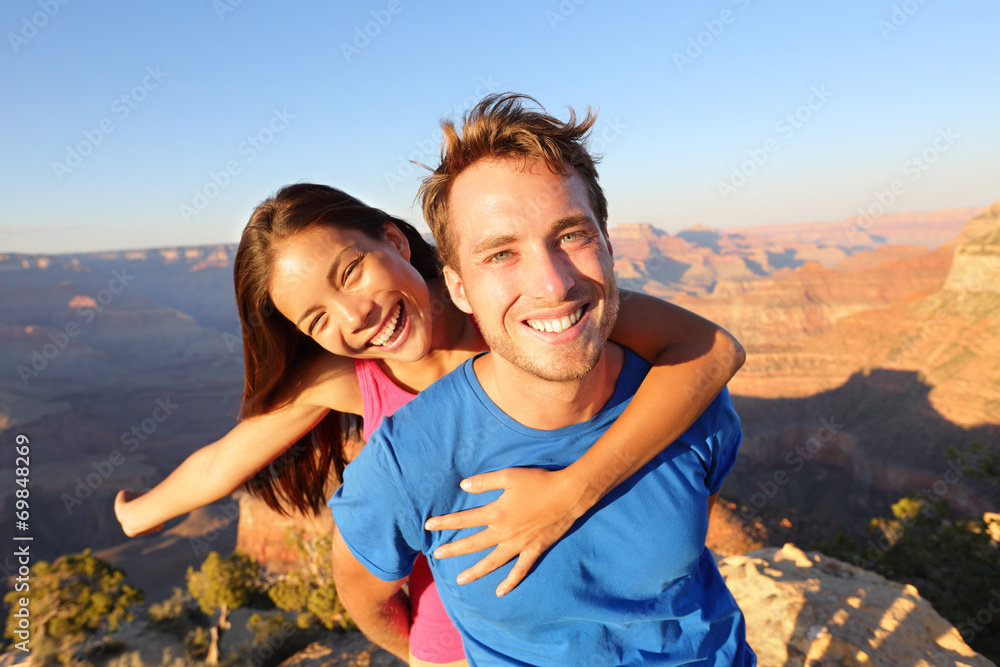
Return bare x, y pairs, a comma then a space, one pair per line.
535, 270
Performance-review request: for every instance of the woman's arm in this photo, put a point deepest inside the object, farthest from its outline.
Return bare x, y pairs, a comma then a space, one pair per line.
218, 469
692, 359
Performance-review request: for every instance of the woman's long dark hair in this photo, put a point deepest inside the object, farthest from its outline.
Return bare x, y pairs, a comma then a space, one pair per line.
272, 346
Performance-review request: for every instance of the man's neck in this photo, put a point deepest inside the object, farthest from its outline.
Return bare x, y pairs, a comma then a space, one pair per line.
547, 405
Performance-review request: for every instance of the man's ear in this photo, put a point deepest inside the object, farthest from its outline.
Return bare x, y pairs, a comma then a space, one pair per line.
395, 237
607, 239
457, 289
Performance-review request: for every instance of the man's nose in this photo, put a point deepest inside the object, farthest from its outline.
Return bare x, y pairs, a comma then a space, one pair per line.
551, 275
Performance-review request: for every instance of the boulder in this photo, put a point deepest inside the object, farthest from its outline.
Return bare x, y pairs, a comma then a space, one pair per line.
805, 609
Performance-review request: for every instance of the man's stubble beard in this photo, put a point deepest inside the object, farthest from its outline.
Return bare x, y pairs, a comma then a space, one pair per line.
502, 345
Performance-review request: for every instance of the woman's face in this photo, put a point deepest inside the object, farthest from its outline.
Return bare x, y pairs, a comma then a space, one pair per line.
354, 295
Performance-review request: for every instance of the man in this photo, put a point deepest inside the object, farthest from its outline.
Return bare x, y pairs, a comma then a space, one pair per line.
521, 224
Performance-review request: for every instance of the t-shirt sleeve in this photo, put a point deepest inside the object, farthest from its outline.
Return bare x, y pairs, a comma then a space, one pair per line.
375, 516
725, 442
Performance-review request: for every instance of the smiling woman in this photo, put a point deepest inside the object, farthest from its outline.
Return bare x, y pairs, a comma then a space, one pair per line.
345, 314
350, 292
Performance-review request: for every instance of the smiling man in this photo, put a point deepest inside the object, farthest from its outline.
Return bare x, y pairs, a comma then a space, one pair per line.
521, 224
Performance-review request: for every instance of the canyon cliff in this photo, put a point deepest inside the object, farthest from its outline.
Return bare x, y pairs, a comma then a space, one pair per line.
872, 348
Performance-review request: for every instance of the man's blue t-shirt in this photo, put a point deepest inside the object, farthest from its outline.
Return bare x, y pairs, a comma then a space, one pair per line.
630, 583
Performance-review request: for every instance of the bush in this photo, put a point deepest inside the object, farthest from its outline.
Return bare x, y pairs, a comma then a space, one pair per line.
134, 659
74, 597
953, 562
274, 639
176, 615
197, 643
223, 584
311, 591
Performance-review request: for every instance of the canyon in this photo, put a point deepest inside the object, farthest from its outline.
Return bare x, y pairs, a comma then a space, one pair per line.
872, 351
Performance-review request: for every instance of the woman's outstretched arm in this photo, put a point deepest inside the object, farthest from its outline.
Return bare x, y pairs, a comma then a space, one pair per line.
692, 359
217, 470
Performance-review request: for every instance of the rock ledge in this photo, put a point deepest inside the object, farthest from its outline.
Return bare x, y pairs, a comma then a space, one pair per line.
809, 609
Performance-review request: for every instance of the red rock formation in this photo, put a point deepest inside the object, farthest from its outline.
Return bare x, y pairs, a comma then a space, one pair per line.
811, 328
262, 533
929, 229
696, 261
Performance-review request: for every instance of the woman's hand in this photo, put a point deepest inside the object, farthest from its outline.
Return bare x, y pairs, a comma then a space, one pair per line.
536, 508
121, 500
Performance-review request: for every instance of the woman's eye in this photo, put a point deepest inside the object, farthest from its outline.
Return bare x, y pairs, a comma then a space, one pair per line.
315, 326
352, 268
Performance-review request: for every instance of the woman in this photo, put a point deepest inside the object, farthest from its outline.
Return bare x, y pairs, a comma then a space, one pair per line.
318, 272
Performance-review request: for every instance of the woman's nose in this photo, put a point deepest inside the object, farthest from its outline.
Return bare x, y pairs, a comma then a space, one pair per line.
353, 312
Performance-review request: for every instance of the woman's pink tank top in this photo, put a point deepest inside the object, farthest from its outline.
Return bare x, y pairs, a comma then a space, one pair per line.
380, 395
433, 637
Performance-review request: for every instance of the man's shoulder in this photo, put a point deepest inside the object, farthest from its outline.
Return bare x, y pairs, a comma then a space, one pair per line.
720, 413
634, 368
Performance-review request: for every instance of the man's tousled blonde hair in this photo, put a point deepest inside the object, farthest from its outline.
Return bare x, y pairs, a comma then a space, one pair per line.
502, 126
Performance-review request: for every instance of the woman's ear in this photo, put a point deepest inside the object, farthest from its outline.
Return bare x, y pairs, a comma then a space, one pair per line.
397, 238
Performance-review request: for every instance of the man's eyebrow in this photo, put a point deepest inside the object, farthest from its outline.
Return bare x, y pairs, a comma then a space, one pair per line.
329, 278
491, 243
573, 221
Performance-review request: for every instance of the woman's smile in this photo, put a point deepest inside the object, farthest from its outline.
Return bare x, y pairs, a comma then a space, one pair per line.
393, 333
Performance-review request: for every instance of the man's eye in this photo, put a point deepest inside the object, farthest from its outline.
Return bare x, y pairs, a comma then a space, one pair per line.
501, 256
572, 236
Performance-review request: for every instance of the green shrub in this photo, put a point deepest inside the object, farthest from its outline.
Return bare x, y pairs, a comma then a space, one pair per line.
310, 591
196, 643
953, 562
71, 599
176, 615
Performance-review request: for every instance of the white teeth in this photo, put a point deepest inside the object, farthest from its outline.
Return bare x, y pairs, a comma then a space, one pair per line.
558, 325
390, 328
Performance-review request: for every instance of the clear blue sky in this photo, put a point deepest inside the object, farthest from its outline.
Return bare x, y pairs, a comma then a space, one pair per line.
687, 93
